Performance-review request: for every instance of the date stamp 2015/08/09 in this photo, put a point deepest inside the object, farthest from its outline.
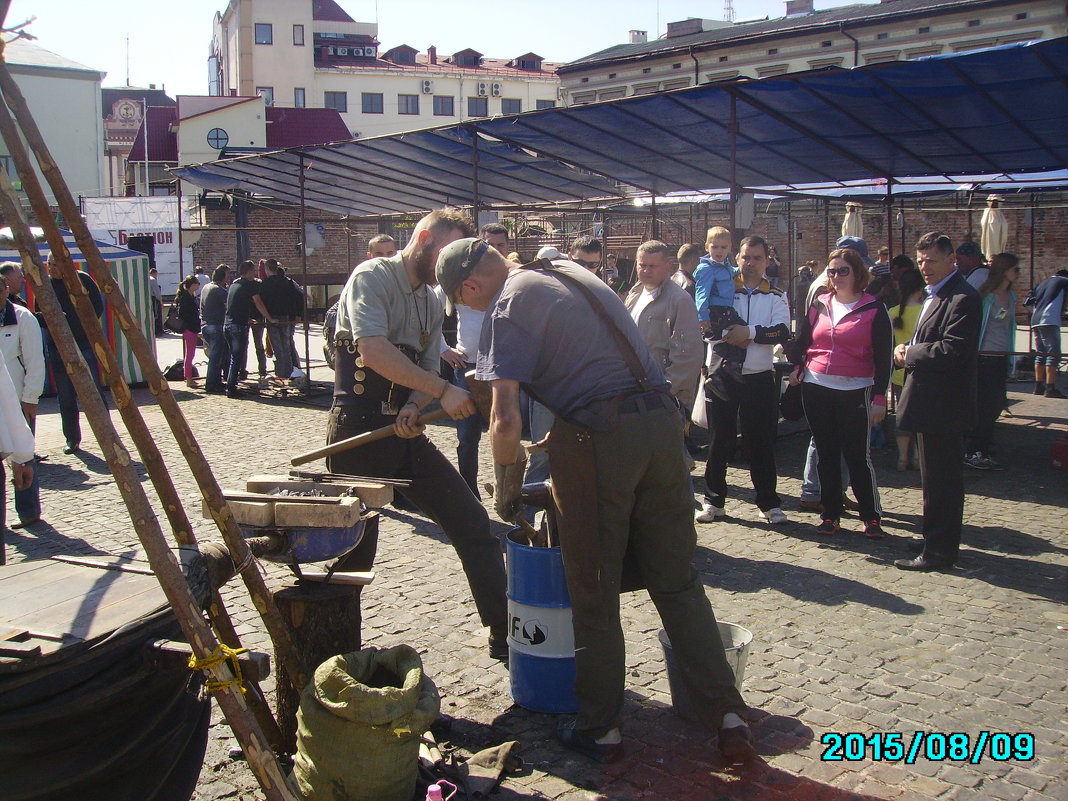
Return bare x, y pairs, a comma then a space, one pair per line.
929, 745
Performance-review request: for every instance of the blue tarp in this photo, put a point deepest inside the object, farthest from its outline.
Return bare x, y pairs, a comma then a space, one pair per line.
1001, 111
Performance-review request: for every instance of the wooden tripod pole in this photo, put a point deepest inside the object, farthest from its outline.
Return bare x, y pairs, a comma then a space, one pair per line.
131, 414
183, 434
146, 524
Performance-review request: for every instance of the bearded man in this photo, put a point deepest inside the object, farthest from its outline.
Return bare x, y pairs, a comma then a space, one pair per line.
386, 370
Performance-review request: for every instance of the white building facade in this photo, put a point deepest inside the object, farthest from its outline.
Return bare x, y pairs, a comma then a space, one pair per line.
698, 51
64, 98
300, 53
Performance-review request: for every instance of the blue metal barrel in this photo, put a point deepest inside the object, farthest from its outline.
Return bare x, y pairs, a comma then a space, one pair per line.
541, 641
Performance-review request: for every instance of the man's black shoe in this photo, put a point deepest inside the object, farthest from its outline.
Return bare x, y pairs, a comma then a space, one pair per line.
72, 447
922, 563
587, 746
498, 643
235, 393
736, 745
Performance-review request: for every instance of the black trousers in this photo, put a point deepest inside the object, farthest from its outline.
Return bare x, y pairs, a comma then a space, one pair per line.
439, 492
942, 476
991, 400
756, 403
839, 423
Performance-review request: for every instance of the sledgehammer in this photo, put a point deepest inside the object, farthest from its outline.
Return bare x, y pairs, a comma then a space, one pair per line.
482, 396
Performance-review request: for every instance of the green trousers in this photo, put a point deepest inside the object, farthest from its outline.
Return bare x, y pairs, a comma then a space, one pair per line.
625, 508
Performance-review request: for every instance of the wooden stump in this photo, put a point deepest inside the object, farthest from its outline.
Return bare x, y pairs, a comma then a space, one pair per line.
325, 621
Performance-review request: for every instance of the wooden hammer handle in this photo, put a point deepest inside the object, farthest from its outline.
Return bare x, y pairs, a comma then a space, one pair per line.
360, 439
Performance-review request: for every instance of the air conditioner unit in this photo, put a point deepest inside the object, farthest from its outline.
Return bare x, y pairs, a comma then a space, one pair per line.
483, 89
427, 87
343, 51
496, 89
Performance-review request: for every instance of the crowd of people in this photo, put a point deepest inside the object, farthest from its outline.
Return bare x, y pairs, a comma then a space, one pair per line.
222, 314
604, 380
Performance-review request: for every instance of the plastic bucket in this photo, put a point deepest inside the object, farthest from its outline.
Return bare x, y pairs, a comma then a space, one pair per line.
541, 641
736, 640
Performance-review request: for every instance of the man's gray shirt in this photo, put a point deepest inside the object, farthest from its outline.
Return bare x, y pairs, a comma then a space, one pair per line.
542, 332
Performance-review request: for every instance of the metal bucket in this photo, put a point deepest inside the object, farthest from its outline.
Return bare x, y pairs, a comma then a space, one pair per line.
736, 640
541, 641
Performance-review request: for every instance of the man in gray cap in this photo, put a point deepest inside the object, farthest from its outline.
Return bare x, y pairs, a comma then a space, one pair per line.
619, 481
385, 371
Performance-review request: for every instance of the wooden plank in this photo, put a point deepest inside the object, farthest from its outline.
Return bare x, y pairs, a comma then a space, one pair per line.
265, 497
77, 590
373, 493
23, 577
343, 514
245, 513
104, 615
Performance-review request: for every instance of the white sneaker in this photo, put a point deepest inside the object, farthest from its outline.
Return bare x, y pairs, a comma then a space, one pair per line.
710, 513
775, 516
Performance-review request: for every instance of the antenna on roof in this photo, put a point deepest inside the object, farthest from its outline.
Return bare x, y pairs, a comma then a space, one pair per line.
127, 59
728, 10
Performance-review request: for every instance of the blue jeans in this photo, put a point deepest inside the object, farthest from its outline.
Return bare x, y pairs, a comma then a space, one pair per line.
810, 483
1047, 345
281, 336
468, 435
68, 397
218, 356
237, 337
28, 501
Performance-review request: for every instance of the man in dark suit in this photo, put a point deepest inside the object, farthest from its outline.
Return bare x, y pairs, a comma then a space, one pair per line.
938, 398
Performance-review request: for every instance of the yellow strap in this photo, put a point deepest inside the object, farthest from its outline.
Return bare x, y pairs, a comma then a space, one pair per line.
216, 657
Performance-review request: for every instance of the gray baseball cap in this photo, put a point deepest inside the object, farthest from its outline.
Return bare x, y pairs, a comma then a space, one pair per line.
456, 261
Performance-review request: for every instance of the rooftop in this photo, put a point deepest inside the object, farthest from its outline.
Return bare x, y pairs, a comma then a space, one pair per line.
286, 127
27, 54
853, 15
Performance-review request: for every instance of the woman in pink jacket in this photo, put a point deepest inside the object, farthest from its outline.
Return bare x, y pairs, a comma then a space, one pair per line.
843, 352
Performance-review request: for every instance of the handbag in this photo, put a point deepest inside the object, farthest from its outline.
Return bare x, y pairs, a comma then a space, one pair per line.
699, 414
791, 406
174, 321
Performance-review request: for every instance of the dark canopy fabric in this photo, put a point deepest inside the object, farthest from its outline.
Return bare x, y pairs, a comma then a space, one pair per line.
997, 111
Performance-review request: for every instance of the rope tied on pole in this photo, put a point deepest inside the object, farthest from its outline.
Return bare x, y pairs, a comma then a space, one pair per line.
223, 653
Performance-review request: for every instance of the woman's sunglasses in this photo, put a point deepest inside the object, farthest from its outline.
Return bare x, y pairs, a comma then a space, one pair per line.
839, 271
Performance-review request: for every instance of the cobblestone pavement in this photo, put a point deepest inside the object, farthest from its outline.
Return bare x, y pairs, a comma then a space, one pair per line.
843, 641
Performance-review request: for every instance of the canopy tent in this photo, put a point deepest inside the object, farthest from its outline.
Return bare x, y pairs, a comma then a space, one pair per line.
999, 111
130, 270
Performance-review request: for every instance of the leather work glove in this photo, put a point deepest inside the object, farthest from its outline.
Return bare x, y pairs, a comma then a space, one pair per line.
507, 485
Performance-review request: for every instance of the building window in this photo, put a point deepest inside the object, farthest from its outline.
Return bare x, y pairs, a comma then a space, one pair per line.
974, 23
881, 36
773, 51
298, 98
444, 106
298, 35
468, 60
477, 107
407, 104
924, 29
611, 75
677, 66
339, 101
826, 43
264, 33
1022, 15
509, 106
646, 70
218, 138
267, 93
529, 64
545, 104
584, 80
722, 59
371, 102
